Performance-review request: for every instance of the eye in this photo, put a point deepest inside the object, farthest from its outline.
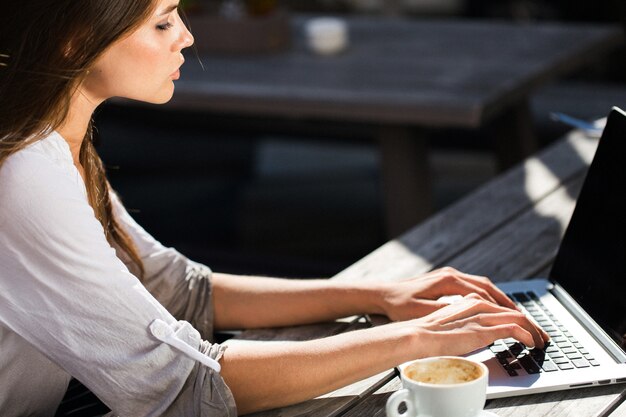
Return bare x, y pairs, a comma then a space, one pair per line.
164, 26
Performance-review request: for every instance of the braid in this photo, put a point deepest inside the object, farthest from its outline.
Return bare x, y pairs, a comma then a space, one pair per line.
100, 199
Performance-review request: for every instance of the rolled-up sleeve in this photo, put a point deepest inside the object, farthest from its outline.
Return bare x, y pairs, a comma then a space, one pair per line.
181, 285
66, 292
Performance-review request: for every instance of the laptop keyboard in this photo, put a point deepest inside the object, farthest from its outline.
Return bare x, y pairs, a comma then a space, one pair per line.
562, 353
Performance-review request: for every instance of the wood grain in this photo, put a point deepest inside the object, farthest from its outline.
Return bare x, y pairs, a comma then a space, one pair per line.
620, 411
589, 402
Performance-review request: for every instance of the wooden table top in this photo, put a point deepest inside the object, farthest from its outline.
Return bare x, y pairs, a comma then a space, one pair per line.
508, 229
396, 71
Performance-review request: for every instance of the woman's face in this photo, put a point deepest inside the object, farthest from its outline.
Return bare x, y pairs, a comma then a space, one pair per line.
143, 65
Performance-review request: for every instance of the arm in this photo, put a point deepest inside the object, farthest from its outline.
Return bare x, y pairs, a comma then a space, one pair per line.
185, 289
252, 302
265, 376
67, 294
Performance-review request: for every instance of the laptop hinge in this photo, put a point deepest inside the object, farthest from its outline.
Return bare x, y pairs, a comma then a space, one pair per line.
587, 322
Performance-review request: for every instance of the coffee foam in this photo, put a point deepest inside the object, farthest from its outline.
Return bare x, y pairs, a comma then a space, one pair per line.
443, 371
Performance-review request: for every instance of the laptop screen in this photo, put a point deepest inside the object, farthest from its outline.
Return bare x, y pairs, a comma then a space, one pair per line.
591, 261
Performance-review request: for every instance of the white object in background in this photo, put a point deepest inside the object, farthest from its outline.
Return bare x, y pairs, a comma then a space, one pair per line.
165, 333
327, 35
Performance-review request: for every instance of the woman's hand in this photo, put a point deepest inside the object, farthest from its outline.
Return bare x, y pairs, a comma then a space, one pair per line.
418, 297
470, 324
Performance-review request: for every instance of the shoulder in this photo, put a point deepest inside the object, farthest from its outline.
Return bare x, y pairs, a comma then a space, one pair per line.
34, 178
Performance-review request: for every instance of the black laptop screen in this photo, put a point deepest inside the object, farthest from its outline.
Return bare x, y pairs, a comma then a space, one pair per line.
591, 261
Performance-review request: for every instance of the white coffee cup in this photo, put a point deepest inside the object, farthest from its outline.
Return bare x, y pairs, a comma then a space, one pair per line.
327, 35
443, 386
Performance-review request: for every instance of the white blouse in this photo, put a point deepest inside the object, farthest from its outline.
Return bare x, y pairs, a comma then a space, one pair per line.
70, 306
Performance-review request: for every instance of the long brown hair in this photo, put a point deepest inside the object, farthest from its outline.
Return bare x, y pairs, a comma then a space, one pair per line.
46, 49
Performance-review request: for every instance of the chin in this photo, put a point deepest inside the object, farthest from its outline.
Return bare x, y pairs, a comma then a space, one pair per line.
161, 100
160, 97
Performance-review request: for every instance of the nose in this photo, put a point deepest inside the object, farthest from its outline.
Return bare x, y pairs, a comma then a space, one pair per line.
186, 38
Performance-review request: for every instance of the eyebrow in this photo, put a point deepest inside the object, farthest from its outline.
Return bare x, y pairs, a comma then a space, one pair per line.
169, 9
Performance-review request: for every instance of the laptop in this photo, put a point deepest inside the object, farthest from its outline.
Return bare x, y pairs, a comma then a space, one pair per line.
582, 305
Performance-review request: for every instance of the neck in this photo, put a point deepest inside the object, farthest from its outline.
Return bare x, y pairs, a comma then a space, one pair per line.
75, 126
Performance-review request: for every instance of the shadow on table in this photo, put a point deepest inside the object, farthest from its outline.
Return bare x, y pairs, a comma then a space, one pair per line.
508, 229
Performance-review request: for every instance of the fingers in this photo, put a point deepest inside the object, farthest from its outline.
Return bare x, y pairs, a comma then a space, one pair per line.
475, 311
525, 330
464, 284
427, 307
486, 284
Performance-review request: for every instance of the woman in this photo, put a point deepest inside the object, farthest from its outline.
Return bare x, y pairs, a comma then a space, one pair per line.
82, 285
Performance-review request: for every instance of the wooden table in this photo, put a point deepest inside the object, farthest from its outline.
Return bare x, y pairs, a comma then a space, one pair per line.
398, 80
508, 229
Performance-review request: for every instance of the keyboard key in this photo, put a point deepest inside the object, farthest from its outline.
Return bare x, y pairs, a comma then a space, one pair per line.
538, 355
580, 363
588, 356
559, 361
549, 367
559, 339
552, 349
574, 355
563, 344
520, 296
569, 350
594, 362
532, 295
566, 366
498, 348
516, 349
528, 364
511, 372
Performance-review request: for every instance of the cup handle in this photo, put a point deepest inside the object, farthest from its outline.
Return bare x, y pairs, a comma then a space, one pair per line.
397, 398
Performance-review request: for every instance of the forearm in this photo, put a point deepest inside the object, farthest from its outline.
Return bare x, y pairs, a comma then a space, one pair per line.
266, 376
270, 375
253, 302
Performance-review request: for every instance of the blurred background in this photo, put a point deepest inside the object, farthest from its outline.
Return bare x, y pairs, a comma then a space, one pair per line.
308, 207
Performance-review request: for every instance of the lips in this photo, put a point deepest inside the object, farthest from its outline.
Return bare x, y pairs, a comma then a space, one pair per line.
176, 74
